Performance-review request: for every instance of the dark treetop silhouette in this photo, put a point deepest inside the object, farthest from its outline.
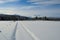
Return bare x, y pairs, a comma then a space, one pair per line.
18, 17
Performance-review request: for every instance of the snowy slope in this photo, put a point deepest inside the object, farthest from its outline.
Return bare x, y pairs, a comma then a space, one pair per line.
30, 30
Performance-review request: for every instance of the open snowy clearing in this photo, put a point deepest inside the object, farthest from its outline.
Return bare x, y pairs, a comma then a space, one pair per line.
30, 30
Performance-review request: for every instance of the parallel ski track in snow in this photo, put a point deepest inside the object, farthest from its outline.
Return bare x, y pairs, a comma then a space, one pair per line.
29, 32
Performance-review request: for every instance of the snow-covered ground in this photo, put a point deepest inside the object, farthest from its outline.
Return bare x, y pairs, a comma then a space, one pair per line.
30, 30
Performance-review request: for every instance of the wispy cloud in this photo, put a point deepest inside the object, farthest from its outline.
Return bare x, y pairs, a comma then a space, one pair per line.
44, 2
31, 12
31, 7
5, 1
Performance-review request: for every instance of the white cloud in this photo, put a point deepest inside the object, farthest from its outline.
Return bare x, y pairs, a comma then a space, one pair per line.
5, 1
28, 7
45, 1
29, 12
43, 12
48, 2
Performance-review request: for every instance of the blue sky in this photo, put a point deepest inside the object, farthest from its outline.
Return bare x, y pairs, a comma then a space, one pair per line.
31, 7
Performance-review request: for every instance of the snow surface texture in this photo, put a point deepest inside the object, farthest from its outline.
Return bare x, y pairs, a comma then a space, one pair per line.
30, 30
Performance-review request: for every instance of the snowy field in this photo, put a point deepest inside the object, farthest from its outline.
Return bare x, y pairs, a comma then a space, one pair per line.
30, 30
